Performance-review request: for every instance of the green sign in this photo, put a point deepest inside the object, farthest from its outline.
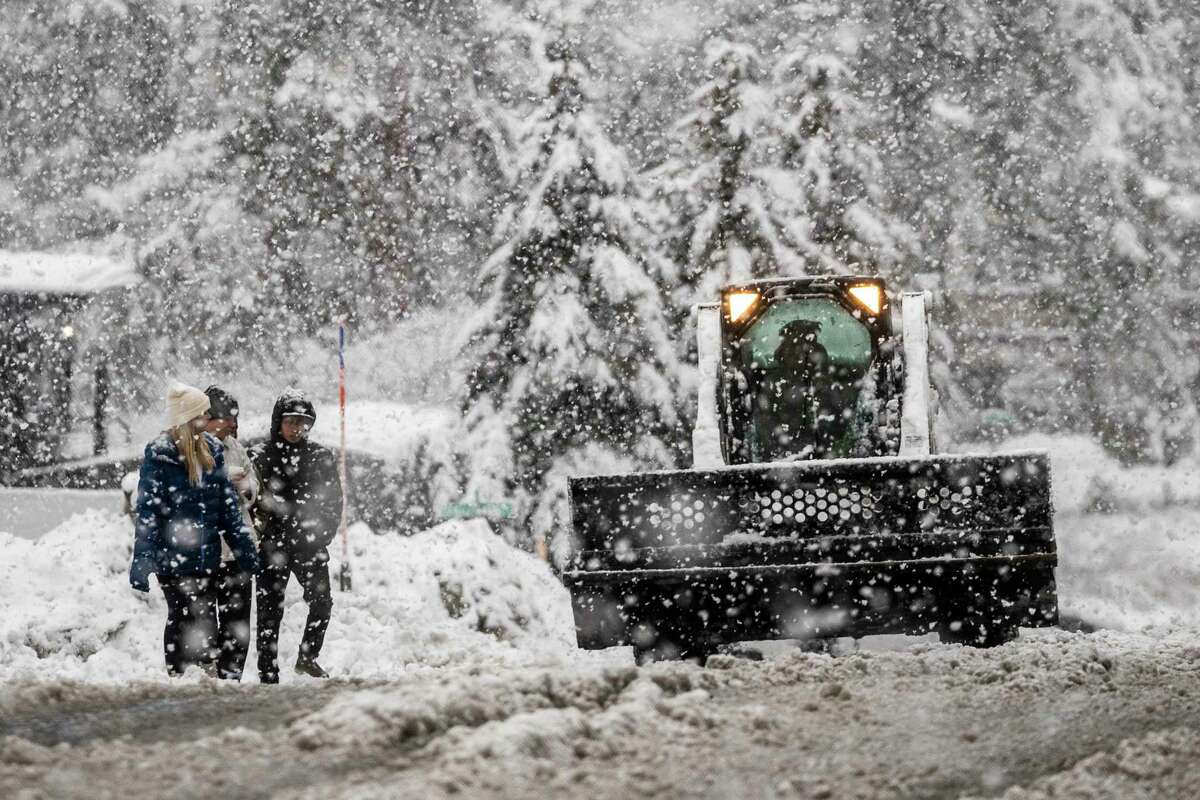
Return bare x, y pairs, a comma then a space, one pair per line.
469, 509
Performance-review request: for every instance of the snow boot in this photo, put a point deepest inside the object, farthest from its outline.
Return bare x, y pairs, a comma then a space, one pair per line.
306, 666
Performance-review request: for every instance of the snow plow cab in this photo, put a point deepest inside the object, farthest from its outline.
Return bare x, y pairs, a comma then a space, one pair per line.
816, 507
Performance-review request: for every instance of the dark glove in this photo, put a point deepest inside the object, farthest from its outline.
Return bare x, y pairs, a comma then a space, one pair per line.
139, 575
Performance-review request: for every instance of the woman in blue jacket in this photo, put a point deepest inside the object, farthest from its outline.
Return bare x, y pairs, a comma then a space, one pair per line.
186, 505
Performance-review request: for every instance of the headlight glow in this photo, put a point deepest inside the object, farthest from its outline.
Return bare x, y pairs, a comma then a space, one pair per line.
869, 296
739, 304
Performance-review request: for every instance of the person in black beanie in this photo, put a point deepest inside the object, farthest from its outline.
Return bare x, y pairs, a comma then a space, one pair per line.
235, 586
298, 512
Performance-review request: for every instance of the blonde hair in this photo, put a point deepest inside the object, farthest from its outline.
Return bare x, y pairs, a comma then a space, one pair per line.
193, 446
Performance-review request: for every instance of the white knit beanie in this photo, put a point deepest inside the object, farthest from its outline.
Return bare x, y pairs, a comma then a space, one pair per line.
184, 404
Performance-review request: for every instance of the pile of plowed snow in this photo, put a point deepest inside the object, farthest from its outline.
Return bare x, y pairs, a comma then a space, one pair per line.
1086, 478
1130, 570
459, 595
1128, 537
523, 711
455, 594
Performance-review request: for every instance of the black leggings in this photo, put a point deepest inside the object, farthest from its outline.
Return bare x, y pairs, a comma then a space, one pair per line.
191, 632
235, 594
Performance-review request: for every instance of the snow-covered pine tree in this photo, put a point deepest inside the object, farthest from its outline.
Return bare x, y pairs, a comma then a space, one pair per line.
720, 226
829, 173
1131, 205
571, 367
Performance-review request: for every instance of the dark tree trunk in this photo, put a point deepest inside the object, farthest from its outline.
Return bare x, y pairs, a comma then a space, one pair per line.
99, 422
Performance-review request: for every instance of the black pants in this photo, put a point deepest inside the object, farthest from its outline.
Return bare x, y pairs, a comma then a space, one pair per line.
235, 591
190, 634
279, 563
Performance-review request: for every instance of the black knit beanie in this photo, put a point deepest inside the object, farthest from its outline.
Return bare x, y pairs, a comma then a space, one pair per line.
222, 403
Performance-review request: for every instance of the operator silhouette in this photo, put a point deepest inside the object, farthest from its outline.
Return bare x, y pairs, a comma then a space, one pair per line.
787, 408
799, 359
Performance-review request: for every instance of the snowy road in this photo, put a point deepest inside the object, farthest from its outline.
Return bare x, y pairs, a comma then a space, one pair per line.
934, 721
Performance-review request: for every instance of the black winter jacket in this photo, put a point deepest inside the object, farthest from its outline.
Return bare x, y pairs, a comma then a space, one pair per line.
300, 505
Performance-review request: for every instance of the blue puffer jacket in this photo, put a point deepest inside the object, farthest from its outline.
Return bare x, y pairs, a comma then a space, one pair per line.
179, 526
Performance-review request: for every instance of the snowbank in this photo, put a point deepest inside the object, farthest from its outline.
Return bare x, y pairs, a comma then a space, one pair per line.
1130, 571
1086, 478
451, 595
1128, 537
392, 432
66, 609
456, 594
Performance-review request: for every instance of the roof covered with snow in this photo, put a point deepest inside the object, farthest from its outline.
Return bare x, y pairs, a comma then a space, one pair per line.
62, 273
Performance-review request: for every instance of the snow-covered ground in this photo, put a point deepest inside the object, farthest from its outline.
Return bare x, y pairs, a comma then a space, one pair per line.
458, 594
452, 595
1128, 537
456, 673
1056, 714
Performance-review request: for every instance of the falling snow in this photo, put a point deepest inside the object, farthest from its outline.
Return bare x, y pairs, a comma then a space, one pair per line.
517, 209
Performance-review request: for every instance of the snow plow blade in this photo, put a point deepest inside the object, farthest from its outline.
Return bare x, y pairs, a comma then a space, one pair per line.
675, 563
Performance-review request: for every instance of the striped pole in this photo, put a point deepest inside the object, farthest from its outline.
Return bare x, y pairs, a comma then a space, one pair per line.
343, 473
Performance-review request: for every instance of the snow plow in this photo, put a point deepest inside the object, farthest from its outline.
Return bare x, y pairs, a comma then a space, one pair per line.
817, 506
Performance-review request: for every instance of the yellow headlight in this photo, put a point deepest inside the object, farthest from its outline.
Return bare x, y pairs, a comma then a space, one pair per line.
739, 304
869, 296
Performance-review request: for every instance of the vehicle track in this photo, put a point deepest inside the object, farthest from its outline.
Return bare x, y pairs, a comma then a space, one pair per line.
187, 714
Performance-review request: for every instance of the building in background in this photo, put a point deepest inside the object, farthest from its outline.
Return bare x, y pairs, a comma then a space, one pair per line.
42, 298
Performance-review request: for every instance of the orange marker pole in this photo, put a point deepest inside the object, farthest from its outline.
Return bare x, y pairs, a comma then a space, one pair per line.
343, 472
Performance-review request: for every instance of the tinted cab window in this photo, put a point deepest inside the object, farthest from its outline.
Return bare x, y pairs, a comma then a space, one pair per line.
805, 360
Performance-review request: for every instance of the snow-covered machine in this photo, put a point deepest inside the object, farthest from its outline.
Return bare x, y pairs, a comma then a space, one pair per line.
817, 506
